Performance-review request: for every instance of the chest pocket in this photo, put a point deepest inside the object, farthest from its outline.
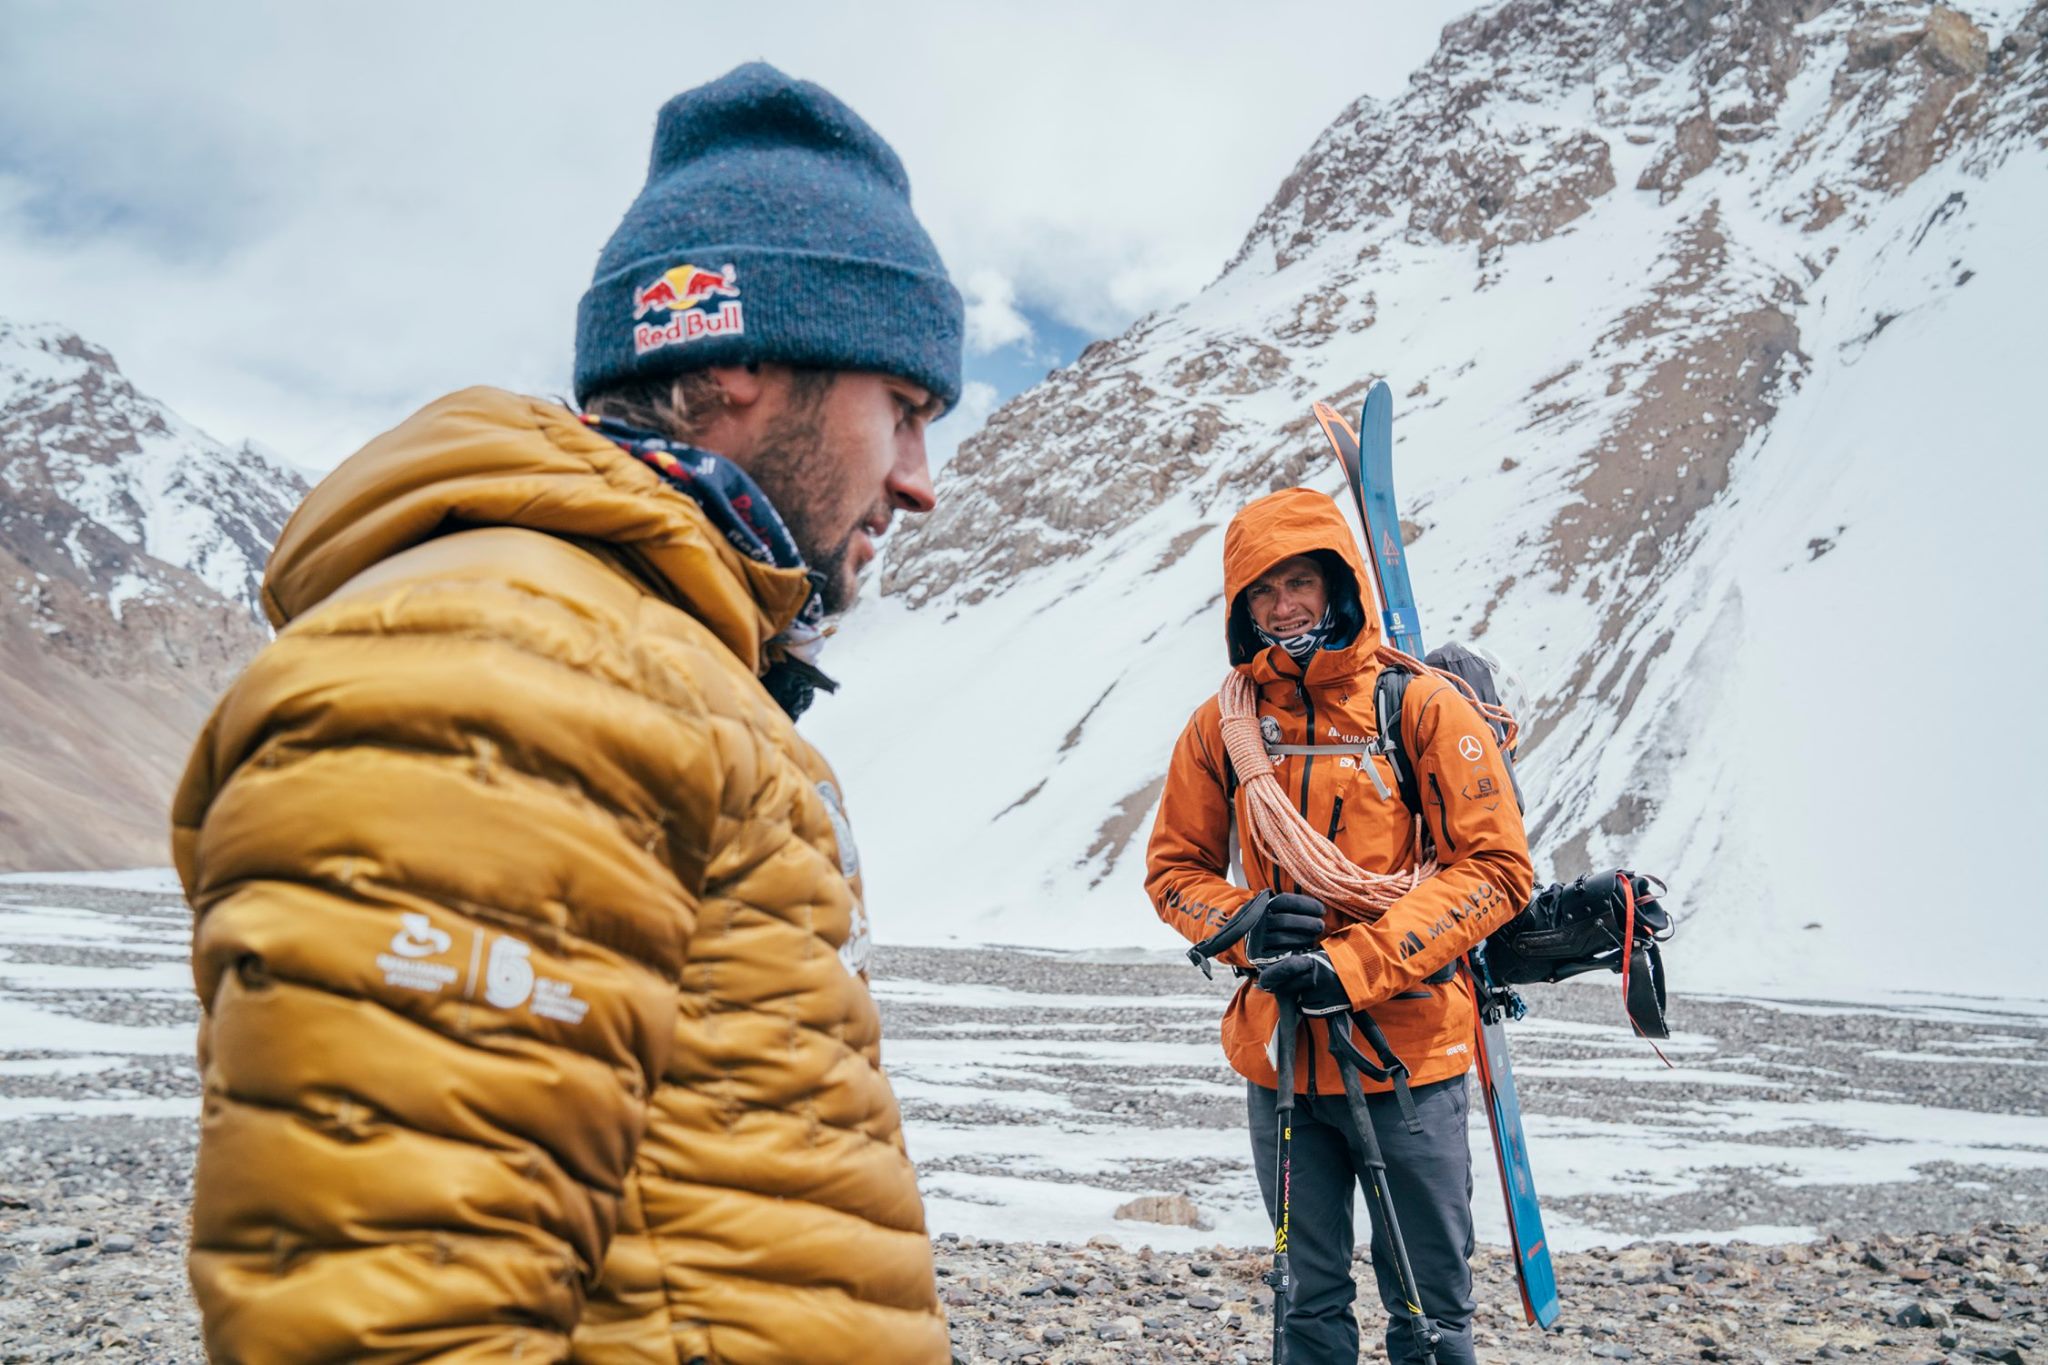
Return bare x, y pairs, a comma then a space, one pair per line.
1366, 762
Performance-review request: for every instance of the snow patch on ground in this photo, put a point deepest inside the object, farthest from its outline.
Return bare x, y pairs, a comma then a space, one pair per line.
161, 879
1036, 1107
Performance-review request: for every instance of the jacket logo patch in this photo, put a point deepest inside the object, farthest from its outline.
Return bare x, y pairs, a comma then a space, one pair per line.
1483, 901
557, 1000
417, 937
1269, 730
1468, 747
842, 831
404, 965
508, 978
510, 981
1201, 912
860, 944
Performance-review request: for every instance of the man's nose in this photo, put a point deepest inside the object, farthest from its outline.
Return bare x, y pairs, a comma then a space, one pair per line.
909, 484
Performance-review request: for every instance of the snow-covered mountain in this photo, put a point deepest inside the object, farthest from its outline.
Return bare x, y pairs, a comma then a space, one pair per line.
1712, 329
131, 557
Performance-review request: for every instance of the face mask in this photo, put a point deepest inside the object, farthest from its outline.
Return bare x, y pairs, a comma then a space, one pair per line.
1308, 642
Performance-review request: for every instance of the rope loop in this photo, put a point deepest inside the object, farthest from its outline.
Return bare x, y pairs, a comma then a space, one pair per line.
1275, 828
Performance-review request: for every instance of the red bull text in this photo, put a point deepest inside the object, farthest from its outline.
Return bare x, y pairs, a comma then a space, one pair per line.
699, 303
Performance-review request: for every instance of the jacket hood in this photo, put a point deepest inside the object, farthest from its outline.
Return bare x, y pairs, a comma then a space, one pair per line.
484, 457
1293, 521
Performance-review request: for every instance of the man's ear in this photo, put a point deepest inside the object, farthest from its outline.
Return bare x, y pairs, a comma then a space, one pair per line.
741, 385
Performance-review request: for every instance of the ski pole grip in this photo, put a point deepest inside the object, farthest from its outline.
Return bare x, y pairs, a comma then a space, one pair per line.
1232, 932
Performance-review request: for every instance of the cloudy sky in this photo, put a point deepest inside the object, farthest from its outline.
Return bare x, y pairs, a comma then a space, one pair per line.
297, 223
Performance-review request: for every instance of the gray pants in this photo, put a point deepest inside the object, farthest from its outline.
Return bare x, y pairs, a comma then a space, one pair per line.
1431, 1174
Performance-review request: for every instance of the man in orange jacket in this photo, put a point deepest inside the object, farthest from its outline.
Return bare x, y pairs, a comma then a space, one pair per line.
1298, 627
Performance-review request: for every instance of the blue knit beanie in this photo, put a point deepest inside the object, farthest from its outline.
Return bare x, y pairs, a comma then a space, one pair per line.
775, 225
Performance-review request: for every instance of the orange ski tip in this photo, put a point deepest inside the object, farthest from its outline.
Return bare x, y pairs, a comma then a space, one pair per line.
1331, 418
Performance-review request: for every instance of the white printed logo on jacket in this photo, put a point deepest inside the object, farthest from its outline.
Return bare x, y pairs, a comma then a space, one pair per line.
509, 980
859, 945
404, 964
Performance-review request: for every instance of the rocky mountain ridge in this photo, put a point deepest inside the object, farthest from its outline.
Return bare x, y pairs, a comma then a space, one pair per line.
1475, 154
131, 555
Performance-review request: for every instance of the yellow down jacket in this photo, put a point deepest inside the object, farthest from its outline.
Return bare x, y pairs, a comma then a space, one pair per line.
530, 940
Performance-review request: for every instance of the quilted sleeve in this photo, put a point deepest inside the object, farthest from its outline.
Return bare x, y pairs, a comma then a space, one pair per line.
445, 846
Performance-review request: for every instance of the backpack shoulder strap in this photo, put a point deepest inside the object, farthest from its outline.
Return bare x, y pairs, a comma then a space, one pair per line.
1389, 692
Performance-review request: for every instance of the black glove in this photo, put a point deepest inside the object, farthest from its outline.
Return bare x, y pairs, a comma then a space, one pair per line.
1310, 979
1290, 924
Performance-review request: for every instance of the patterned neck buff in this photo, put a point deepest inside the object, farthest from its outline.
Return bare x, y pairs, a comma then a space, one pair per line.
1308, 641
749, 522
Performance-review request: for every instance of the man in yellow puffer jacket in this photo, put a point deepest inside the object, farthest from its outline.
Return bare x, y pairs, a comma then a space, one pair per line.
529, 931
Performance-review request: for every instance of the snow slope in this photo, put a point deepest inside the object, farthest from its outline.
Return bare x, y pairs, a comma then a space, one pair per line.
1712, 413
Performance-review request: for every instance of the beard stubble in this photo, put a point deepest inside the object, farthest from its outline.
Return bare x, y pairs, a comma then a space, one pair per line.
813, 494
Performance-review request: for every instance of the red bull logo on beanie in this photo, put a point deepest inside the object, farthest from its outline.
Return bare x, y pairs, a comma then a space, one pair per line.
698, 302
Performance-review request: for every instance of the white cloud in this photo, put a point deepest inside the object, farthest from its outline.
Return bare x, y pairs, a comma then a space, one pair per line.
993, 321
296, 223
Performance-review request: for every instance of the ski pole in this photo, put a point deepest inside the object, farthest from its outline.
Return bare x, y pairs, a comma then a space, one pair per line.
1426, 1335
1281, 1278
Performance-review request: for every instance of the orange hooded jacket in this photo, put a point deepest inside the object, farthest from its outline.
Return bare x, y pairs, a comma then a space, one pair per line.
1387, 965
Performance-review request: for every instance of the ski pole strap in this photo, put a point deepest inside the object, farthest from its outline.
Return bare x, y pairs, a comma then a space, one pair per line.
1390, 1068
1231, 933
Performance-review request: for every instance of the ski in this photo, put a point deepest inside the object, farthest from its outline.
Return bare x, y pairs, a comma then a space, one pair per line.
1368, 459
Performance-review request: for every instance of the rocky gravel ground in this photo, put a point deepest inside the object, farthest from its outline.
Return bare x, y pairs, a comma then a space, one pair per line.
80, 1289
1970, 1296
92, 1240
1942, 1263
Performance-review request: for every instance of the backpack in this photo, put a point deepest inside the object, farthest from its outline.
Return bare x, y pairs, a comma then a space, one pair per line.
1605, 920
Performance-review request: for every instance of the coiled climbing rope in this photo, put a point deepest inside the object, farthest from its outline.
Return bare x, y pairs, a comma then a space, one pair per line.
1284, 835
